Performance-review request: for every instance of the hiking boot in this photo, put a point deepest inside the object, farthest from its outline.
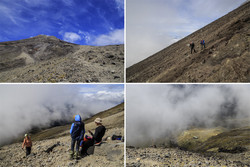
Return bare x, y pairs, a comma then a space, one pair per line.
71, 153
76, 155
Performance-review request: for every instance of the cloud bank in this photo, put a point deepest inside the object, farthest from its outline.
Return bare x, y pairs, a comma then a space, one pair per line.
155, 111
71, 37
114, 37
25, 106
154, 25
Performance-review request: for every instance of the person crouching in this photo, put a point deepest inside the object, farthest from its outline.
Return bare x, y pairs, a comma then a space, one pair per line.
96, 138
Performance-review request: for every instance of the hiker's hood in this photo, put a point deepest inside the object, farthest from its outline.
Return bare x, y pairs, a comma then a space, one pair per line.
77, 118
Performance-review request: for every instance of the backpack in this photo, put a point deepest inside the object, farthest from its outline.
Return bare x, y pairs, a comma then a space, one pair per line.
77, 131
28, 142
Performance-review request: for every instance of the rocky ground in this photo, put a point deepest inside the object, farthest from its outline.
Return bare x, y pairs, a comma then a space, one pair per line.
226, 57
48, 59
208, 147
110, 153
174, 157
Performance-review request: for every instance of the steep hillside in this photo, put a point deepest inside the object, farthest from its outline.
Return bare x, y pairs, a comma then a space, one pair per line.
48, 59
226, 57
110, 153
58, 131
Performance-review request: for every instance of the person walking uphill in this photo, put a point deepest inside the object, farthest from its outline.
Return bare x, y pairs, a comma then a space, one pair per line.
77, 132
202, 44
192, 47
27, 143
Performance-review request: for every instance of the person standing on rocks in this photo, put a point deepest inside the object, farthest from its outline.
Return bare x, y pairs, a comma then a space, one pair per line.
27, 143
202, 44
96, 138
192, 47
77, 131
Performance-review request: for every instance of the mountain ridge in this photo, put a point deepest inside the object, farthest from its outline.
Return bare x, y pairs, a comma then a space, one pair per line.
48, 59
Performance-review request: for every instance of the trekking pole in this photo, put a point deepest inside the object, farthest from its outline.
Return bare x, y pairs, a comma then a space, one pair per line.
23, 150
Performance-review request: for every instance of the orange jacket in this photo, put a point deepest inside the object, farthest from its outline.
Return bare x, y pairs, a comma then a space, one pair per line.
27, 142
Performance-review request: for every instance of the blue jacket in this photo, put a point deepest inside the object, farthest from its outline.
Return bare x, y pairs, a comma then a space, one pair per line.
77, 129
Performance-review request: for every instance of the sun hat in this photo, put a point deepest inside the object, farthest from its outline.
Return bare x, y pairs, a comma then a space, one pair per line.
98, 120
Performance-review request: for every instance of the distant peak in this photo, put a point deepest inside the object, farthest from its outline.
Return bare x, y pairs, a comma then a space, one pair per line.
45, 36
41, 35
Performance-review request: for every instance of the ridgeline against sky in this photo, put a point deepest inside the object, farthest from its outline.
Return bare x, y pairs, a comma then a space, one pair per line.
154, 25
88, 22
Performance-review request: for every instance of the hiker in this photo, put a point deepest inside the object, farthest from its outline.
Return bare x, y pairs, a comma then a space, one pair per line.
77, 131
27, 143
96, 138
202, 44
192, 47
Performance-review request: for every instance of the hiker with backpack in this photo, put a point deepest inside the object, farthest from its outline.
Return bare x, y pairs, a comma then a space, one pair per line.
96, 138
77, 131
27, 143
191, 45
202, 44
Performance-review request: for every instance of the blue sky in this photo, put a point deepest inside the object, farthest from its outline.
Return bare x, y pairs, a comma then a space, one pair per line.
86, 22
155, 24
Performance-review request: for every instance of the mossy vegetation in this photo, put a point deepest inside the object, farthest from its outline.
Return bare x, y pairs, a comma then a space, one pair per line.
215, 140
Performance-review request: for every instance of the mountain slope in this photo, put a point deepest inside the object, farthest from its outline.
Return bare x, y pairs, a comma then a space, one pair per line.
48, 59
226, 57
110, 153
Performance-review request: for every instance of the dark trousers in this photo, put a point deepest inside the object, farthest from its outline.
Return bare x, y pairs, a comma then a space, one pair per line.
192, 50
203, 46
73, 142
28, 151
86, 145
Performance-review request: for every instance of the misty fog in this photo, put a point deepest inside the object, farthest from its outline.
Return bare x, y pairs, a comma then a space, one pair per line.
24, 106
155, 112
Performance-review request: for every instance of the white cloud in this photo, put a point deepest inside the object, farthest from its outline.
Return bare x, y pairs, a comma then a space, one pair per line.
114, 37
86, 36
31, 105
174, 108
71, 37
68, 2
154, 25
37, 2
120, 6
